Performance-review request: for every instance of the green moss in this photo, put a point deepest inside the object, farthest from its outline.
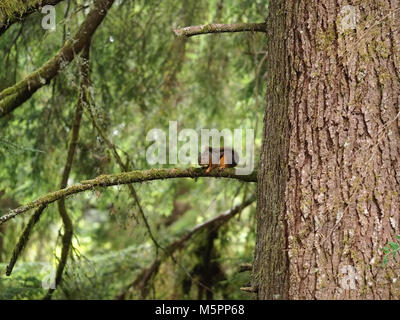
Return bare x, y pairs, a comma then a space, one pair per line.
15, 8
207, 28
326, 39
384, 78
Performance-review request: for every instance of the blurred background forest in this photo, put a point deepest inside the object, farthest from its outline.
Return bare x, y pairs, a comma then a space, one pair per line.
142, 77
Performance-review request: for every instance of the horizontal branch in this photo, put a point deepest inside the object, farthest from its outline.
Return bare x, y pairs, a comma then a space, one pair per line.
246, 267
14, 96
126, 178
219, 28
18, 10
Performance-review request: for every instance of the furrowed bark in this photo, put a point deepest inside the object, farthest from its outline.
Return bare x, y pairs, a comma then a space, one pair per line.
12, 97
271, 261
329, 179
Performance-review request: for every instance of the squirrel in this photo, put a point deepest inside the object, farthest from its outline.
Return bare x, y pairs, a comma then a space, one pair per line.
225, 158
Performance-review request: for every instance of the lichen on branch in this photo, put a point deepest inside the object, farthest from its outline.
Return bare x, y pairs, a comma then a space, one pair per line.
219, 28
127, 178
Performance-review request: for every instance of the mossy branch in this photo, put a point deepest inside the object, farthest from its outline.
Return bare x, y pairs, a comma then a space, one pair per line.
14, 96
12, 11
219, 28
23, 240
67, 222
126, 178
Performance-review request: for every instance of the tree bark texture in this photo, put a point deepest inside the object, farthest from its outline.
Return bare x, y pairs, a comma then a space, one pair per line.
329, 177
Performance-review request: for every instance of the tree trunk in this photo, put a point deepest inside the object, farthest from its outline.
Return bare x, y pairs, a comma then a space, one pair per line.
329, 178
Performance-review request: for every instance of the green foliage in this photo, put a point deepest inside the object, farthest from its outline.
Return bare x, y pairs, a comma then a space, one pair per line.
26, 283
84, 279
14, 148
391, 250
142, 78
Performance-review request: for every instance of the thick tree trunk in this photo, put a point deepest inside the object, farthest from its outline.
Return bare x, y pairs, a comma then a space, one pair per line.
329, 177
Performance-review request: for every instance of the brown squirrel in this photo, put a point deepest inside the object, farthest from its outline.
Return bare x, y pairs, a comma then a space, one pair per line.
226, 158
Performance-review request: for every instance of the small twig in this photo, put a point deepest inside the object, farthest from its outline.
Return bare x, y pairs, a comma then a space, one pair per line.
8, 50
249, 289
245, 267
219, 28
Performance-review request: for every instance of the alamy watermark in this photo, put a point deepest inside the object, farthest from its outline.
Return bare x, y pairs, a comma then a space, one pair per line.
49, 280
348, 278
49, 20
348, 16
184, 147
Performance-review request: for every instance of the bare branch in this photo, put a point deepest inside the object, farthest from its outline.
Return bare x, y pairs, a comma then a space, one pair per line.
249, 289
245, 267
219, 28
126, 178
14, 96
